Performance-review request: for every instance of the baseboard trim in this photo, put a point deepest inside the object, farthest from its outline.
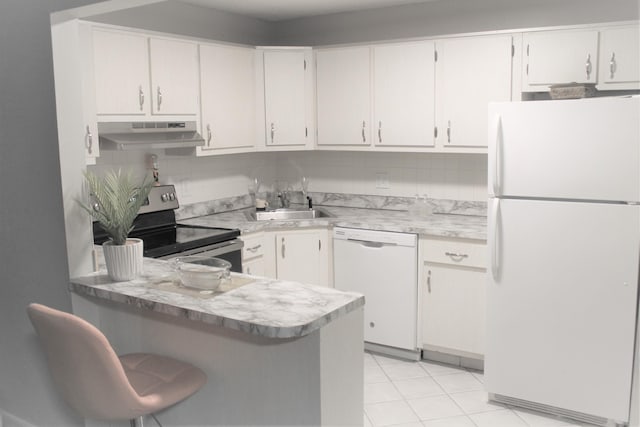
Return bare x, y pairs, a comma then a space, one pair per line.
399, 353
566, 413
452, 359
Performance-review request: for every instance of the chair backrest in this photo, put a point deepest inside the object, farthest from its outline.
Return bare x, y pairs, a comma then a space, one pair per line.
84, 366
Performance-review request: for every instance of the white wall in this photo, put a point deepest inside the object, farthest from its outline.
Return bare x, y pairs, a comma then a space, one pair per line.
33, 266
197, 179
440, 176
33, 251
450, 17
194, 21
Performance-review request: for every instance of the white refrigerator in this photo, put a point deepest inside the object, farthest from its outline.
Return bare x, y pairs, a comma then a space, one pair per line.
564, 241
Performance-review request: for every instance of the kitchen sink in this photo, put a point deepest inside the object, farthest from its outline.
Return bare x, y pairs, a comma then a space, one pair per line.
287, 213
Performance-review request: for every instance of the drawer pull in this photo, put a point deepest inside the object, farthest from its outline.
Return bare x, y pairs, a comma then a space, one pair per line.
282, 248
456, 256
254, 248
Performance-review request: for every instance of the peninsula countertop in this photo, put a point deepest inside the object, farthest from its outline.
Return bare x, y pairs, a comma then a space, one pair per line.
443, 225
256, 305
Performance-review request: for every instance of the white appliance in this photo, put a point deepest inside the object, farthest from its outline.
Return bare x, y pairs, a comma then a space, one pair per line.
564, 239
383, 266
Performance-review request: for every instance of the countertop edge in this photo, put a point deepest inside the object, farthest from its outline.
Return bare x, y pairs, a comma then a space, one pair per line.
263, 330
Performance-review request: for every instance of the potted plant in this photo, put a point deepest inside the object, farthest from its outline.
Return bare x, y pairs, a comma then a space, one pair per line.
116, 200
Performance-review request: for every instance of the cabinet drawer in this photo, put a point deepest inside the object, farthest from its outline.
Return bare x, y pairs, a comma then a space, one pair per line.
254, 267
467, 253
253, 246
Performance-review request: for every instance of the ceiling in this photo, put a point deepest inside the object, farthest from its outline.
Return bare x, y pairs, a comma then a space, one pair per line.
277, 10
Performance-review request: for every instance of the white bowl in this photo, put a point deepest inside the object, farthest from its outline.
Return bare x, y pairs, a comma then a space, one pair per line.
202, 272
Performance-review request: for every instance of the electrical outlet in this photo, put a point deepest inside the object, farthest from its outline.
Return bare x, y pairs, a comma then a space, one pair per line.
382, 180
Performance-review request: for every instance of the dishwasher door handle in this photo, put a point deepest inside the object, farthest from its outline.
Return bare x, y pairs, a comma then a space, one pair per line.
371, 244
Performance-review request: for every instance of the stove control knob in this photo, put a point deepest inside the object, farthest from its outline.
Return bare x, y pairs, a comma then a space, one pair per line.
164, 197
172, 196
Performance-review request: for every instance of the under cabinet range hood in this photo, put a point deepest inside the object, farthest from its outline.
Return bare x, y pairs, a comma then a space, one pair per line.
147, 135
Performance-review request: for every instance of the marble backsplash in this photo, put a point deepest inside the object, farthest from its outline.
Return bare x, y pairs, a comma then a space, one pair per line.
441, 206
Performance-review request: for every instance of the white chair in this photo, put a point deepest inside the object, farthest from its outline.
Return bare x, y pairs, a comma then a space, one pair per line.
100, 385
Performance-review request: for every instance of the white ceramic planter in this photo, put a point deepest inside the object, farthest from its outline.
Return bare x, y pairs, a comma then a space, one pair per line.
124, 262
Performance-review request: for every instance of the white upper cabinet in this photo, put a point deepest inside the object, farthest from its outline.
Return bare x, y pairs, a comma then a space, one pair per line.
75, 94
287, 96
139, 76
174, 76
344, 96
554, 57
404, 94
121, 66
619, 58
470, 73
227, 97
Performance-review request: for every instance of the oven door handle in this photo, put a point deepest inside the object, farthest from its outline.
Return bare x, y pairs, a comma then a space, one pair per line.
211, 250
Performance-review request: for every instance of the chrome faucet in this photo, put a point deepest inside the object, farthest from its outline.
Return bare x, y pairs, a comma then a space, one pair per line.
284, 199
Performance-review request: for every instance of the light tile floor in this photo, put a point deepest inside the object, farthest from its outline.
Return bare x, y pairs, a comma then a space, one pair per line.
428, 394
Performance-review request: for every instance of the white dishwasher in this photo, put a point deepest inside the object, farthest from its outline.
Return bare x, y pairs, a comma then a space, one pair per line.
383, 266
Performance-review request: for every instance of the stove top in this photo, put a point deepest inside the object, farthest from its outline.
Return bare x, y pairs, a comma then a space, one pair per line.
156, 226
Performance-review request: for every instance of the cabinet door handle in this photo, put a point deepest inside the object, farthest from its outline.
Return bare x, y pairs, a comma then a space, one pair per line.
88, 140
449, 131
364, 139
208, 135
159, 98
140, 97
380, 131
429, 281
319, 245
612, 64
254, 248
588, 67
282, 248
456, 256
273, 131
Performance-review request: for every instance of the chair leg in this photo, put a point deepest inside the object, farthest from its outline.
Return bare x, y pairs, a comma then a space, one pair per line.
137, 422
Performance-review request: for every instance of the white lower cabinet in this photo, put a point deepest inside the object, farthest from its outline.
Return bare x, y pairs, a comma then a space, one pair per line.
453, 296
255, 254
303, 256
298, 255
254, 267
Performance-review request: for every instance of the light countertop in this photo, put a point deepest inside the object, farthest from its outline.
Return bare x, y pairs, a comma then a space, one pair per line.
260, 306
443, 225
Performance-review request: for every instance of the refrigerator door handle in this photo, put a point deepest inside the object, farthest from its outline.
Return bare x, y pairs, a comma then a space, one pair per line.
495, 248
497, 157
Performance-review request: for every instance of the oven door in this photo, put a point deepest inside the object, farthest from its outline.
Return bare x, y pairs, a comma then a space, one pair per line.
230, 250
